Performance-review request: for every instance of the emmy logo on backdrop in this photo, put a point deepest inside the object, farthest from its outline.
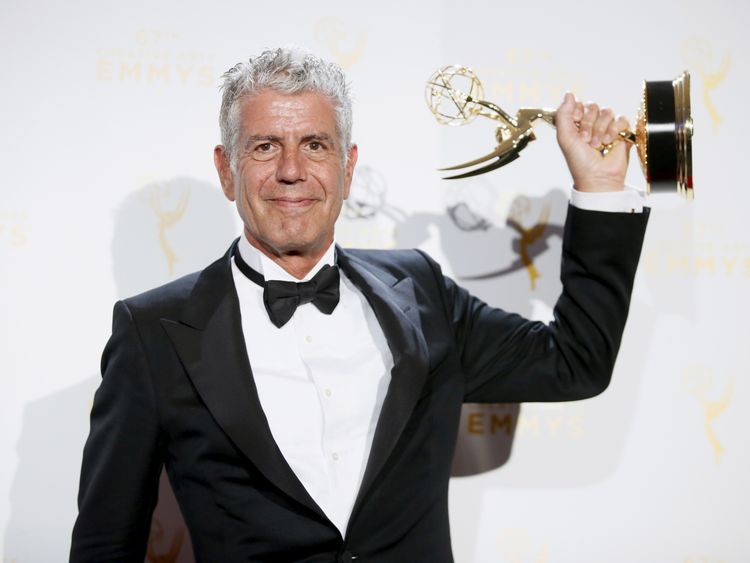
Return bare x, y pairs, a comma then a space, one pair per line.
13, 229
531, 241
367, 195
168, 219
704, 559
155, 57
333, 33
700, 382
518, 546
712, 73
528, 236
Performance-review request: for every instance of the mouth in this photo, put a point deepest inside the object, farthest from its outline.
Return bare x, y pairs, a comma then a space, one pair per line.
292, 202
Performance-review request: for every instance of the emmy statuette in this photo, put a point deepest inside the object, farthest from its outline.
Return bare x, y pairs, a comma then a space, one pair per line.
663, 131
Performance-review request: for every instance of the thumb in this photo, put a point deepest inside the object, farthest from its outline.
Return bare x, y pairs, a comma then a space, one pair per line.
621, 148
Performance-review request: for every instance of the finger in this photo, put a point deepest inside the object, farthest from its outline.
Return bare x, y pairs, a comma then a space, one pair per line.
599, 132
565, 118
590, 113
578, 112
620, 123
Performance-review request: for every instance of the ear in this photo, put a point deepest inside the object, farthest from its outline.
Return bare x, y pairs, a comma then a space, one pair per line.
349, 170
221, 161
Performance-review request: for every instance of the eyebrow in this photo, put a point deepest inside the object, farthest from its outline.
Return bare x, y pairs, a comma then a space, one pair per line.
318, 137
274, 138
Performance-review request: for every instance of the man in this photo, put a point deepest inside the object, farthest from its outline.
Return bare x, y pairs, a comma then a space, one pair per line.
325, 433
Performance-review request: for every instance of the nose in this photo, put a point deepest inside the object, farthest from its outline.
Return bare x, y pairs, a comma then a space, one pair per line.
291, 166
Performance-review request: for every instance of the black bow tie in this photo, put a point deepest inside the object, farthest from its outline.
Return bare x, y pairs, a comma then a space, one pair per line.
282, 298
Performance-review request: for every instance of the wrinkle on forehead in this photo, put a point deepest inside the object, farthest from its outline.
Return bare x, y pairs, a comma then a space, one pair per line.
290, 119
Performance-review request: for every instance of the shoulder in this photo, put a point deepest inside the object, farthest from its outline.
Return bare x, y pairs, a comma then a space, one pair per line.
164, 297
170, 299
399, 262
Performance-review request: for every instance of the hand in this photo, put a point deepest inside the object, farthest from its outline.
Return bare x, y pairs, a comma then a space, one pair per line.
581, 128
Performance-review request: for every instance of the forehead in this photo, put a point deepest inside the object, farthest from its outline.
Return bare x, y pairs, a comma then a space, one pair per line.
272, 112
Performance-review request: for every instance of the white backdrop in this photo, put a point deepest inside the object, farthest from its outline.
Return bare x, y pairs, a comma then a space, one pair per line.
108, 119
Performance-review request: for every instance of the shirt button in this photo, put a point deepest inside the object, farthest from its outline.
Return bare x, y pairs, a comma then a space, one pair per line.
335, 456
328, 392
308, 339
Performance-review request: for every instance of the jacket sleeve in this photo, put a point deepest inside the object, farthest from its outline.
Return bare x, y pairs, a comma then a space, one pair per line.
507, 358
122, 458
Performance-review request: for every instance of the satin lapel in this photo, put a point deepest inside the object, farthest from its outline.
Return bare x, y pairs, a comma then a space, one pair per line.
209, 341
395, 306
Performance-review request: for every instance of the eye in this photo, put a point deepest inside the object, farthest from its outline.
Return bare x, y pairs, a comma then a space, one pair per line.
317, 149
264, 150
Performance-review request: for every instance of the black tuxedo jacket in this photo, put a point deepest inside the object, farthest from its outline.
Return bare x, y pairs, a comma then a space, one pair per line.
178, 389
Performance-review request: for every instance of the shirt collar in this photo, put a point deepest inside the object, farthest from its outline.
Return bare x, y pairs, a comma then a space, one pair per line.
271, 270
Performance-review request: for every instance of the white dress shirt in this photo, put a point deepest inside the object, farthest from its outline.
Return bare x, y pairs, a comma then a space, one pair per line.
630, 200
321, 380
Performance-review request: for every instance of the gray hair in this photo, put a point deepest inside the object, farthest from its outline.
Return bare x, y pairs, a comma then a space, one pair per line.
289, 70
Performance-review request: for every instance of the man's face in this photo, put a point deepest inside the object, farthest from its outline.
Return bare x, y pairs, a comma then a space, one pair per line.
290, 180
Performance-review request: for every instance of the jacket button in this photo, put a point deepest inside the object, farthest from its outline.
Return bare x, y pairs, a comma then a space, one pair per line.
347, 557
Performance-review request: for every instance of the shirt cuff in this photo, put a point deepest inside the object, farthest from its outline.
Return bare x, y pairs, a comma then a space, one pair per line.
629, 200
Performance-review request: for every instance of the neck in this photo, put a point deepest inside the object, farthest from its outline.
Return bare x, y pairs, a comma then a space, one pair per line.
297, 263
297, 266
